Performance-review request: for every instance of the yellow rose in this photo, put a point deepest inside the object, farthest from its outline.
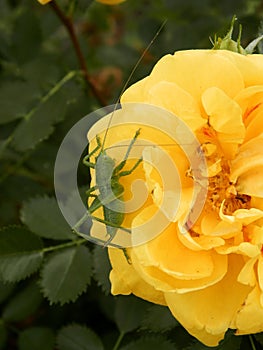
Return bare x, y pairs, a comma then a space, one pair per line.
44, 2
210, 275
110, 2
106, 2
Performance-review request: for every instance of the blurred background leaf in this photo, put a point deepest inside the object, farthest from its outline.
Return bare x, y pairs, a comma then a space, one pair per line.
36, 338
77, 337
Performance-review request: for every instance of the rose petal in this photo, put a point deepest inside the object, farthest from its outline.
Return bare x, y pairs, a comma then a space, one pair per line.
251, 182
211, 225
250, 66
207, 313
178, 268
247, 274
255, 234
212, 68
200, 242
250, 155
125, 279
164, 94
136, 92
260, 272
244, 248
249, 318
242, 216
225, 117
224, 113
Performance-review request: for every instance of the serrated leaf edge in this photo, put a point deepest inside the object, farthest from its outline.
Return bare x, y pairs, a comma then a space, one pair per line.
5, 228
44, 291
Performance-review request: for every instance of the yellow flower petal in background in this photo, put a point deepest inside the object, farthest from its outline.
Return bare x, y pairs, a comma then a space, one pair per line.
43, 2
106, 2
208, 313
110, 2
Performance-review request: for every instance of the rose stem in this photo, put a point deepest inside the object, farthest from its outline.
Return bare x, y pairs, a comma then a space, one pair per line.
73, 37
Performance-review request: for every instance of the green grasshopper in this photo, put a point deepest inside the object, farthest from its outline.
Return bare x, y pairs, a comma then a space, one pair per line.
110, 197
108, 174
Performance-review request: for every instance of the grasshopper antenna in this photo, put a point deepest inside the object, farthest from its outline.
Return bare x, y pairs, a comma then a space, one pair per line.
130, 76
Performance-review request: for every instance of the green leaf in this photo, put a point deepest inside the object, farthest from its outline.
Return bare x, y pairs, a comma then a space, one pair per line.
77, 337
20, 253
129, 312
43, 216
152, 318
3, 336
102, 267
23, 304
36, 338
23, 93
5, 290
230, 342
42, 70
150, 343
27, 36
259, 338
66, 274
38, 124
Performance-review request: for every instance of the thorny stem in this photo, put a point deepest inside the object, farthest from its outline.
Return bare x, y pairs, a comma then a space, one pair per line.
73, 37
117, 344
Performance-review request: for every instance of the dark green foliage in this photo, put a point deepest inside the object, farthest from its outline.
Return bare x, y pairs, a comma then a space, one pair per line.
77, 337
66, 274
129, 313
158, 319
150, 343
20, 253
43, 217
5, 290
23, 304
102, 268
23, 93
36, 338
3, 336
230, 342
54, 285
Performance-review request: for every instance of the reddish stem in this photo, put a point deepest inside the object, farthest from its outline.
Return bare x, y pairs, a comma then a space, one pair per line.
73, 37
